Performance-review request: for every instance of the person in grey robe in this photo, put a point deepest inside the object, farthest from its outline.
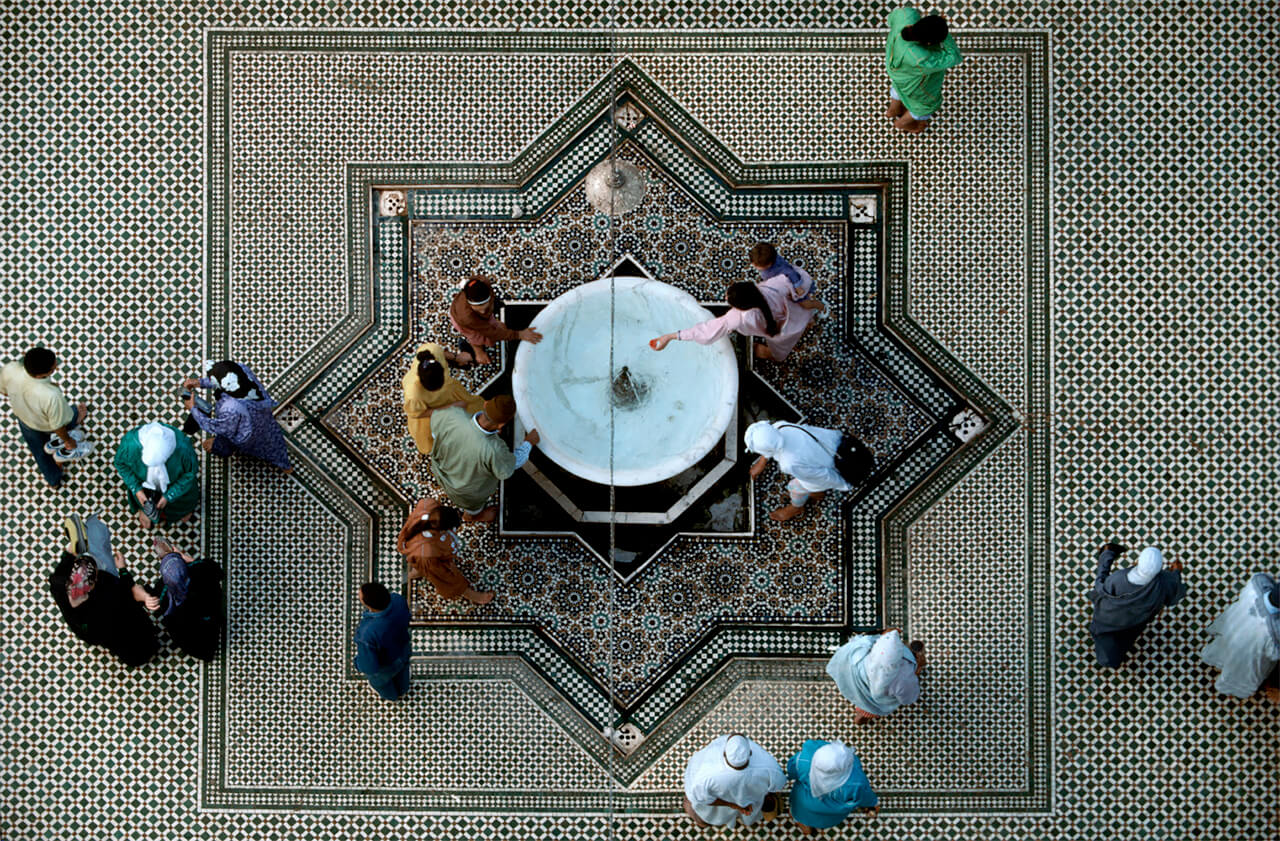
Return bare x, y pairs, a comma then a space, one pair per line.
1246, 645
1125, 601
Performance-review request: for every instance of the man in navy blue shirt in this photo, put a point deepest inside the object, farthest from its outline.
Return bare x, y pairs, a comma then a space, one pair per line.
382, 641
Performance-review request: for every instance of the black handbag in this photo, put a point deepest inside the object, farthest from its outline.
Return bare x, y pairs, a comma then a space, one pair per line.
854, 461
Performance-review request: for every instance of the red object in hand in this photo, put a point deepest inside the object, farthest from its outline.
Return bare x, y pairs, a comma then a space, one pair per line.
653, 343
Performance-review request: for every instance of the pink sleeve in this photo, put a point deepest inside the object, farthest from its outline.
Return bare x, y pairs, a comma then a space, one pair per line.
708, 331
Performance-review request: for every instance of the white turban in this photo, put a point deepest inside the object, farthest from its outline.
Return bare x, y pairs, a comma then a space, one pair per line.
737, 752
763, 438
1150, 562
891, 669
157, 445
832, 764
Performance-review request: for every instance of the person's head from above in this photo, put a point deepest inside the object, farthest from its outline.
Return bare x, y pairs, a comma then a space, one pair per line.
231, 379
1150, 562
929, 31
478, 290
39, 362
763, 255
763, 439
430, 371
747, 296
375, 596
498, 411
84, 574
737, 752
440, 518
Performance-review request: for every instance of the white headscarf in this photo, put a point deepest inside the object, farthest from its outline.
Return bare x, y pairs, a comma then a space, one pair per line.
831, 766
890, 671
737, 752
157, 445
763, 438
1150, 562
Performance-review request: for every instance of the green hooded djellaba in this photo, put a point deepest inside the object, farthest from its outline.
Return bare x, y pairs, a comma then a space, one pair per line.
917, 71
158, 456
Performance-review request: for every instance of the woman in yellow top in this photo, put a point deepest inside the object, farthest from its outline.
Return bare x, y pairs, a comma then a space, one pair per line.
428, 386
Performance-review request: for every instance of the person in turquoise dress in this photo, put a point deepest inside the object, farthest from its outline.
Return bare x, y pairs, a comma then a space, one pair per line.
828, 785
157, 464
917, 55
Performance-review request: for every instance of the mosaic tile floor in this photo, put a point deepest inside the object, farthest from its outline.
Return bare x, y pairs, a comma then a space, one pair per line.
181, 182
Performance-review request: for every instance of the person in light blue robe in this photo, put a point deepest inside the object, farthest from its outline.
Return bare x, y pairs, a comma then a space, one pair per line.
828, 784
878, 673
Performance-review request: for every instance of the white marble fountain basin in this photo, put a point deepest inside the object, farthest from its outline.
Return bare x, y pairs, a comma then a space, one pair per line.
563, 386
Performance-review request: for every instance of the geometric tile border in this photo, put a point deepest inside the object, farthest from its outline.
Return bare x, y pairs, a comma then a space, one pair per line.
892, 309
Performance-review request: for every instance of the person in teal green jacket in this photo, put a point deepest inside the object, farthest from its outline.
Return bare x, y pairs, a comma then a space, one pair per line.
159, 466
828, 785
917, 55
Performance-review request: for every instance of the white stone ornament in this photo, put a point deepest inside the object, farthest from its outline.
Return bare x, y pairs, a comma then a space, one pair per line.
392, 203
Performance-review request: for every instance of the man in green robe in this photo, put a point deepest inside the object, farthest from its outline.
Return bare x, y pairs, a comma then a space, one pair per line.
917, 55
469, 459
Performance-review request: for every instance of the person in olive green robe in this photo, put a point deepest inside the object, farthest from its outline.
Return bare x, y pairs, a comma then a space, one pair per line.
917, 55
469, 459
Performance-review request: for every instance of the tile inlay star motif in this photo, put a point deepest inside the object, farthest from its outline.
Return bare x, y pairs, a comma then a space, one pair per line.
722, 563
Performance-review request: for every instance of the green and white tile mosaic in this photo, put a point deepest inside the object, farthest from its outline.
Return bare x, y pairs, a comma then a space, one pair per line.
1164, 378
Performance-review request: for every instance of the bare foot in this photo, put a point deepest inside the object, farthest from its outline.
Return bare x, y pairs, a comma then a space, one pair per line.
189, 517
479, 598
862, 718
786, 512
1273, 694
488, 515
762, 352
910, 124
286, 470
817, 496
482, 358
804, 830
144, 520
896, 109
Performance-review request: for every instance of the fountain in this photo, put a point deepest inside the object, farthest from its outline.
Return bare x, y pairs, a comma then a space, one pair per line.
649, 416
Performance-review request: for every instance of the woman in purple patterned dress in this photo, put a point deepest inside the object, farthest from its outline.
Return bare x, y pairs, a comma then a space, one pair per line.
241, 419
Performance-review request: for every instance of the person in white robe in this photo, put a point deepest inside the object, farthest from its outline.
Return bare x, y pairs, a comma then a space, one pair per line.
1246, 645
806, 453
728, 780
878, 673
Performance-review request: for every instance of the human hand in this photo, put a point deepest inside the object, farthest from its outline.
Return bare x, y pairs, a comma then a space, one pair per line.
462, 357
758, 468
141, 595
141, 497
190, 382
161, 503
873, 811
745, 810
118, 558
188, 403
661, 342
530, 335
533, 437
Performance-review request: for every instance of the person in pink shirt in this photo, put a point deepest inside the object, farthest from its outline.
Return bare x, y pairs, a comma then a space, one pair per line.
764, 309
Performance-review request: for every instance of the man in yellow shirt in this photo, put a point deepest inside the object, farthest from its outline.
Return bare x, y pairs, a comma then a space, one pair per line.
48, 421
